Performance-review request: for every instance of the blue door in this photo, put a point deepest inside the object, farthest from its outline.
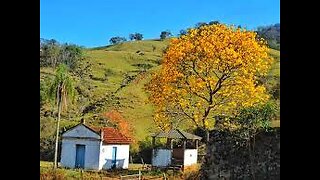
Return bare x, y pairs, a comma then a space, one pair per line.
80, 155
114, 157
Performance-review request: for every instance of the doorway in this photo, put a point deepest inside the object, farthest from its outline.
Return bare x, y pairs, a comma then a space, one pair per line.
80, 156
114, 157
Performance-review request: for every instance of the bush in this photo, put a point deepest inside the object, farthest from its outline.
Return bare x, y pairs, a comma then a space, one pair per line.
145, 152
47, 138
191, 172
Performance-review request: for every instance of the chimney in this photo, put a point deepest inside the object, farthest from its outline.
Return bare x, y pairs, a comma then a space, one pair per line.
83, 121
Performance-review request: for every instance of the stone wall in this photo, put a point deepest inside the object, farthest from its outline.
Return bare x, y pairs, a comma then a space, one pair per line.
229, 157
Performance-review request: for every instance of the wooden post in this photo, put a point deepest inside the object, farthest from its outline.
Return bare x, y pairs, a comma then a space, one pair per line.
139, 174
184, 144
153, 142
164, 175
197, 143
184, 149
169, 143
101, 134
153, 146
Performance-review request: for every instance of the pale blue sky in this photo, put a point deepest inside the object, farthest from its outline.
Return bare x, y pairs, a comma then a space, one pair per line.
92, 23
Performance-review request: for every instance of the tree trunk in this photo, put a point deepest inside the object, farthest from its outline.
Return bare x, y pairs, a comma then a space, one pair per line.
57, 135
207, 136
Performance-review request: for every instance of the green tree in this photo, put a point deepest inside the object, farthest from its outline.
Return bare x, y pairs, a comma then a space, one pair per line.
139, 36
71, 55
136, 36
252, 119
117, 40
131, 37
165, 34
52, 53
60, 91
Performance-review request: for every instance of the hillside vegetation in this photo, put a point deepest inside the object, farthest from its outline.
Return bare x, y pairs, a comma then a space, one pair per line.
116, 80
272, 34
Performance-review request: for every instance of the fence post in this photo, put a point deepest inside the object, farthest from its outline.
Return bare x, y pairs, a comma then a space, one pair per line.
139, 174
142, 162
164, 175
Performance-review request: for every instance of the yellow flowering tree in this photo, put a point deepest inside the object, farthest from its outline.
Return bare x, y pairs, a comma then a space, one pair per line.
212, 70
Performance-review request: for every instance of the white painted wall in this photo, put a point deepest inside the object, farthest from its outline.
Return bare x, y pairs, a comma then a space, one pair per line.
81, 131
190, 157
92, 150
161, 157
106, 156
80, 135
97, 156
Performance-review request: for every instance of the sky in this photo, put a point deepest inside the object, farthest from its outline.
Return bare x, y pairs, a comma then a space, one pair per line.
91, 23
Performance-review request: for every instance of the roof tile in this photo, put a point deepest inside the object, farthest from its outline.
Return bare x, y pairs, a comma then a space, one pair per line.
112, 135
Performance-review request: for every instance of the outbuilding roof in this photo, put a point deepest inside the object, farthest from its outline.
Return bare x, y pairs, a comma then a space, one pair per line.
176, 134
111, 135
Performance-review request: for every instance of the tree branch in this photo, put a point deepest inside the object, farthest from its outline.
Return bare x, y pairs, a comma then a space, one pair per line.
198, 74
190, 90
190, 117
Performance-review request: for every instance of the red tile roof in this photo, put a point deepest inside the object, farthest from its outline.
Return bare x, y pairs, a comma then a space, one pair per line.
111, 135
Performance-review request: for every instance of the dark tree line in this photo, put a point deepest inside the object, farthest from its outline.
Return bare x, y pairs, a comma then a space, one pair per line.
117, 39
271, 34
198, 25
53, 53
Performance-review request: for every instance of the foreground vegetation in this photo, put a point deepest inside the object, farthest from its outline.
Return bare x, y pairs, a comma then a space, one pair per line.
46, 172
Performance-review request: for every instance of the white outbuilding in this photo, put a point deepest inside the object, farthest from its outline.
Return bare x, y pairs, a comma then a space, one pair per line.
183, 154
94, 148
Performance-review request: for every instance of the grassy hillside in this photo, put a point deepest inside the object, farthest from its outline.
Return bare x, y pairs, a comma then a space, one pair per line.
132, 59
275, 70
119, 74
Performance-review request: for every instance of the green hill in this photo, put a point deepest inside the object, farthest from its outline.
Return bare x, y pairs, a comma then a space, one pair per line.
117, 79
118, 75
